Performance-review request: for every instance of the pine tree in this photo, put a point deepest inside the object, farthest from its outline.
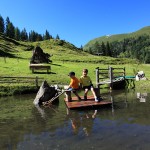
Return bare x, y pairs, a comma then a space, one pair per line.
32, 36
17, 34
2, 25
81, 48
103, 47
147, 58
108, 50
10, 29
7, 32
39, 37
24, 35
97, 48
57, 37
47, 35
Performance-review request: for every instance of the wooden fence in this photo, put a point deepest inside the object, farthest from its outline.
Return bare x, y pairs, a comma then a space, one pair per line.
109, 75
12, 79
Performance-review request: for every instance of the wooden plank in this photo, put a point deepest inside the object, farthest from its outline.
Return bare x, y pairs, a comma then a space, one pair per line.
82, 104
103, 73
117, 72
103, 69
104, 82
103, 78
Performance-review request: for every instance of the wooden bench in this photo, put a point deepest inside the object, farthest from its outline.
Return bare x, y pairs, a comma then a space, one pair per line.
40, 67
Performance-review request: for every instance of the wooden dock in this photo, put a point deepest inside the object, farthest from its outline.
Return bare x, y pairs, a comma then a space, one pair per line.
90, 102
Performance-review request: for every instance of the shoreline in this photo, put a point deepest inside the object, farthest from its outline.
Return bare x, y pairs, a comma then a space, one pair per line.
141, 86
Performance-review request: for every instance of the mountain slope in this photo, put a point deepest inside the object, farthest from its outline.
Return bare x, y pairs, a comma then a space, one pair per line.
60, 50
134, 45
118, 37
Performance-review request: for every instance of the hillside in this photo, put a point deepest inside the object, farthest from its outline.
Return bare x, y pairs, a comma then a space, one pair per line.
118, 37
132, 45
59, 49
15, 57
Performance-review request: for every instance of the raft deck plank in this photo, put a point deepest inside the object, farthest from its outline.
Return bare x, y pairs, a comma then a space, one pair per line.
75, 103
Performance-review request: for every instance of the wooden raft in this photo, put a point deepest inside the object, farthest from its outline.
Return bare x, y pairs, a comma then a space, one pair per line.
75, 103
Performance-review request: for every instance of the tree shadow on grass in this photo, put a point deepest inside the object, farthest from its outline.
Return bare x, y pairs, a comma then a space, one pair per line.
56, 64
37, 72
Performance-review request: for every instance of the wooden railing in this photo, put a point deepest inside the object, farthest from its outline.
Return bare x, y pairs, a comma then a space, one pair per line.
12, 79
107, 76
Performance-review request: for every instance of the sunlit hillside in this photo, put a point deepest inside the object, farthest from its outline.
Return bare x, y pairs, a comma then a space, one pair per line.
118, 37
59, 49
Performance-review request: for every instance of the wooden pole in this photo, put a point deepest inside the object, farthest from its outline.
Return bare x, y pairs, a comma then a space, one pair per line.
4, 59
112, 100
36, 81
97, 77
68, 96
124, 74
111, 77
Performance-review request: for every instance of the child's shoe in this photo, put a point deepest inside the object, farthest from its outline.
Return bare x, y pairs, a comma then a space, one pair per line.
96, 99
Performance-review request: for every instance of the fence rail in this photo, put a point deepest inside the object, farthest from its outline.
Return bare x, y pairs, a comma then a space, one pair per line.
111, 72
19, 79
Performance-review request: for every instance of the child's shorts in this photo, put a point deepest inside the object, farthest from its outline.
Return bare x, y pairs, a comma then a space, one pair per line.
88, 87
73, 90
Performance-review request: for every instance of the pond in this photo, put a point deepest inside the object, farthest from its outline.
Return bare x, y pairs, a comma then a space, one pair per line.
124, 125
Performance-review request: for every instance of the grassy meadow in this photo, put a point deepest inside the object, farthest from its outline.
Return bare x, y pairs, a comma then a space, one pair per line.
65, 58
60, 70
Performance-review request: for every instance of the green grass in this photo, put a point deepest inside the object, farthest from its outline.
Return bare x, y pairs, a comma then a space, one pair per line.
60, 70
65, 58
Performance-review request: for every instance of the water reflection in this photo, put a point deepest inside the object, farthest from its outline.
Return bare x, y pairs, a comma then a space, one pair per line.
125, 125
41, 111
82, 121
142, 97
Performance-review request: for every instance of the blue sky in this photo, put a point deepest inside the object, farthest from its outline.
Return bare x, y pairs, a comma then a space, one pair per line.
77, 21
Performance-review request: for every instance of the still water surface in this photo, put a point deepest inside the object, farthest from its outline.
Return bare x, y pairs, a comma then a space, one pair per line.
123, 126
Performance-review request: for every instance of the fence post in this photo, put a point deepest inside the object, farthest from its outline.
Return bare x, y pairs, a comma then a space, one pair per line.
68, 96
97, 77
111, 77
36, 81
4, 59
112, 100
124, 74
